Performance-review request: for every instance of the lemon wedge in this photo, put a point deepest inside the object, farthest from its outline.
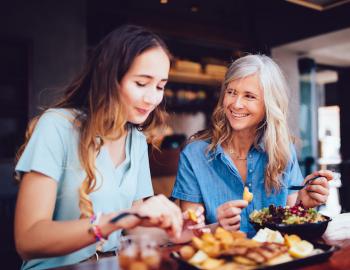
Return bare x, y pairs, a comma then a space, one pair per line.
292, 239
301, 249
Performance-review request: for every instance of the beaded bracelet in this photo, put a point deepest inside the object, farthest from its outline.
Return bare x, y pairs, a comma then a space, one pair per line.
95, 229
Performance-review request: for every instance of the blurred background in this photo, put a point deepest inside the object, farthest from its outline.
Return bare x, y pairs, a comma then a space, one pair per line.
43, 44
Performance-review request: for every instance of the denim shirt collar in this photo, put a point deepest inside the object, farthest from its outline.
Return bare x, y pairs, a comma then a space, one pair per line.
260, 147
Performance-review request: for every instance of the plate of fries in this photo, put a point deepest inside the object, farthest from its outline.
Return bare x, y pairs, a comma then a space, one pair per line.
224, 250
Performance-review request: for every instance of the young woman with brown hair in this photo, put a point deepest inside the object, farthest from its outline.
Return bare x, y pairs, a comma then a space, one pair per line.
87, 155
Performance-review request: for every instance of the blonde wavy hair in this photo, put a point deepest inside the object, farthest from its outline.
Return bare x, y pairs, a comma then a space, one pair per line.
273, 131
95, 97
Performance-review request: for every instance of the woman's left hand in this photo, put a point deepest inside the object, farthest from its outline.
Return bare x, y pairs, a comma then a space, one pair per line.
316, 193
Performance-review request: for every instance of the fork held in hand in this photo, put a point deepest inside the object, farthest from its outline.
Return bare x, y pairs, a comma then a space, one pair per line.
308, 182
123, 215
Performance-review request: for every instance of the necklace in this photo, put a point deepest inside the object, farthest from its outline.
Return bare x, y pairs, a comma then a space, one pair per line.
235, 155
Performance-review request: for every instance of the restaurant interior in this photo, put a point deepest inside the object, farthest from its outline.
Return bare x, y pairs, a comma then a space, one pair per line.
44, 44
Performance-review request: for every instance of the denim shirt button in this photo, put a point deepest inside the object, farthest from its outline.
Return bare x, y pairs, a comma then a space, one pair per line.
250, 170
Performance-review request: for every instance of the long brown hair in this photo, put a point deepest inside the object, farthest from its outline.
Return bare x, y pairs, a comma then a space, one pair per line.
273, 131
94, 95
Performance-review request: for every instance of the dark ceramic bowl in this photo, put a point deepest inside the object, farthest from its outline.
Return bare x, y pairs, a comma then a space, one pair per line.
308, 231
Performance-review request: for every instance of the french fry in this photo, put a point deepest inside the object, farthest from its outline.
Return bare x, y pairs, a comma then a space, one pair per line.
211, 263
244, 260
187, 252
247, 196
238, 234
192, 215
212, 249
197, 242
208, 237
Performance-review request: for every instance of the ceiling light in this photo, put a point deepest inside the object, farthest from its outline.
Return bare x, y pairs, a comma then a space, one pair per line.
319, 5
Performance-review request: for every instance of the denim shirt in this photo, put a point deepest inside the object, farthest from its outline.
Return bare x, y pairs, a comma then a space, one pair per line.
213, 179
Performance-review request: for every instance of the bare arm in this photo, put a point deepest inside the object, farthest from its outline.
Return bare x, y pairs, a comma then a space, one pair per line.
36, 234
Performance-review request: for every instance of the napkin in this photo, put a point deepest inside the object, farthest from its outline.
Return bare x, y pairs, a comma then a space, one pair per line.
338, 230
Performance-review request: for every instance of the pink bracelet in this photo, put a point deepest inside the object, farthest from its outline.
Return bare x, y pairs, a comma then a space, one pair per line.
97, 232
95, 229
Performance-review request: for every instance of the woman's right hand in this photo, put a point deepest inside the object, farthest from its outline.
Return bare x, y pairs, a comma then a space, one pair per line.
161, 213
229, 214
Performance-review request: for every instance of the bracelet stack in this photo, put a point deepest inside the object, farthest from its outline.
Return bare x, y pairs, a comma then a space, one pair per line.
96, 230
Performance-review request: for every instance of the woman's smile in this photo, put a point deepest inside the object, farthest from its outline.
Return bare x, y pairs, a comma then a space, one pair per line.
143, 111
239, 115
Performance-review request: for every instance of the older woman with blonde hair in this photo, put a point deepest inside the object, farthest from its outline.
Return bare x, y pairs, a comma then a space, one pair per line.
247, 145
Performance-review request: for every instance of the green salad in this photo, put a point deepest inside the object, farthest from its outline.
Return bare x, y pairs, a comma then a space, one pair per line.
286, 215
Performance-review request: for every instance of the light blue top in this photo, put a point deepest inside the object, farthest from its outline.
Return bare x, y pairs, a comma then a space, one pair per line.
213, 179
53, 151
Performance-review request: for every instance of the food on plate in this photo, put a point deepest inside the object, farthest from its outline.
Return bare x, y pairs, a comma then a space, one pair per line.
247, 196
268, 235
212, 263
285, 257
290, 240
223, 250
286, 215
198, 258
192, 215
187, 252
301, 249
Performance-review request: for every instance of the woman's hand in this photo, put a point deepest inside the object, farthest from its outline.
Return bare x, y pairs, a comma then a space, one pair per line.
161, 213
158, 211
229, 214
316, 193
194, 220
194, 224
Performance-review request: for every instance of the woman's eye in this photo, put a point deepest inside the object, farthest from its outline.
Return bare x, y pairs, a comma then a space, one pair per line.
161, 88
250, 97
140, 84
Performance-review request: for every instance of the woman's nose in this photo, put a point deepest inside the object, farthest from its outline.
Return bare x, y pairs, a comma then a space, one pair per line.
238, 102
151, 97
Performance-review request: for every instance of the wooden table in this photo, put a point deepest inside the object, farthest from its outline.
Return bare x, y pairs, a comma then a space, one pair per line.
340, 260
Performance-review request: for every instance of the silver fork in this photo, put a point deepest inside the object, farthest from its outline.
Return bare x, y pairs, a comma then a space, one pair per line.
125, 214
308, 182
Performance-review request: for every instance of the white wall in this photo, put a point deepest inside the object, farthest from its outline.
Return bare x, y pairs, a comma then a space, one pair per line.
288, 61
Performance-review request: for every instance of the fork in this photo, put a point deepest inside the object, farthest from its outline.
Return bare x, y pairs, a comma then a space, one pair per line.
125, 214
308, 182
